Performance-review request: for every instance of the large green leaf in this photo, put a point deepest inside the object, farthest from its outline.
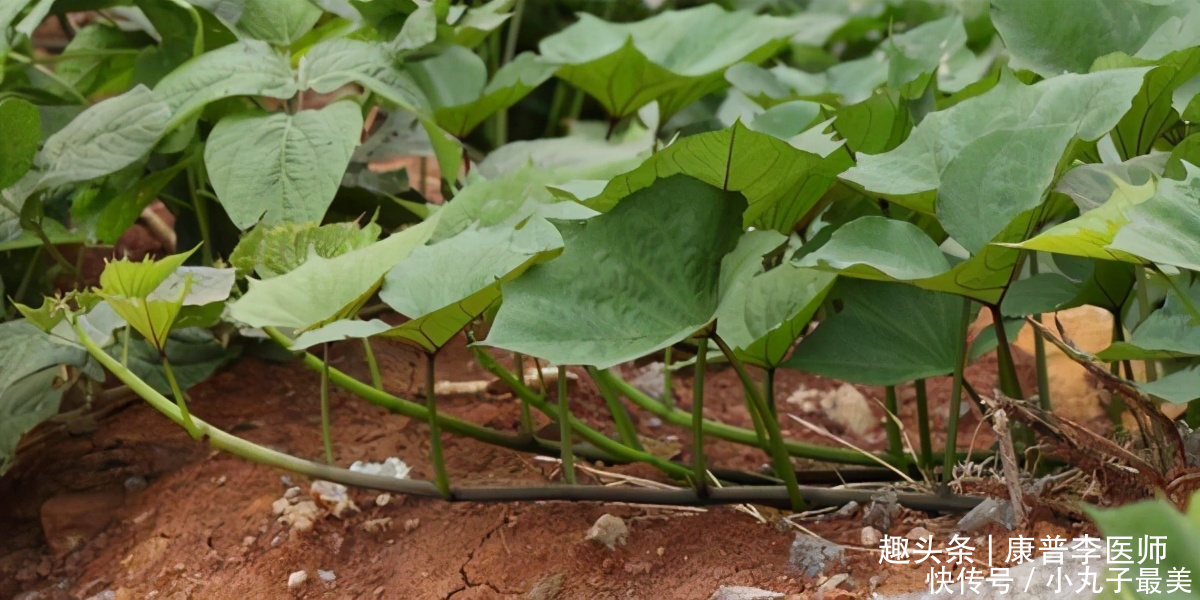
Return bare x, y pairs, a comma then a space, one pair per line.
282, 168
1152, 113
444, 286
648, 286
277, 22
915, 55
674, 57
136, 292
1042, 38
1149, 223
103, 139
29, 360
586, 153
763, 312
456, 84
1155, 521
781, 181
268, 251
21, 130
335, 62
247, 68
886, 334
324, 290
992, 157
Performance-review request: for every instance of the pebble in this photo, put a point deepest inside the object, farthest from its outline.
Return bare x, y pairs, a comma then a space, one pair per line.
411, 524
326, 576
383, 500
871, 537
919, 533
135, 483
812, 556
609, 530
297, 579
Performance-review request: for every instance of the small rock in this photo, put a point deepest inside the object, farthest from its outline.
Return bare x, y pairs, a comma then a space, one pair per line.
383, 500
377, 525
68, 520
411, 524
300, 516
884, 509
390, 467
297, 579
650, 380
326, 576
877, 580
661, 551
608, 530
833, 582
871, 537
919, 533
654, 422
846, 406
248, 541
546, 589
849, 510
220, 481
135, 483
280, 505
988, 511
105, 595
334, 497
740, 592
812, 556
292, 492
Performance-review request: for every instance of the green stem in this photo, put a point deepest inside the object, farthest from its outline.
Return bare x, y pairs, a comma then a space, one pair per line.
895, 444
510, 50
1039, 354
779, 454
923, 424
625, 427
1143, 300
668, 378
556, 107
756, 420
195, 187
326, 437
698, 467
603, 442
417, 411
440, 478
27, 278
372, 364
526, 423
125, 346
769, 392
682, 418
180, 401
1010, 383
564, 426
960, 367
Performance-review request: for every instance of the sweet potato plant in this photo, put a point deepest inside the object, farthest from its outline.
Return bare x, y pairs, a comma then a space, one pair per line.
838, 188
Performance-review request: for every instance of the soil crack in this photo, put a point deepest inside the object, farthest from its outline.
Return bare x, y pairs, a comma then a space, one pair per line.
462, 570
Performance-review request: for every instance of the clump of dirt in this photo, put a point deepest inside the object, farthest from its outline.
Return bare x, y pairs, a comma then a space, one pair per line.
183, 521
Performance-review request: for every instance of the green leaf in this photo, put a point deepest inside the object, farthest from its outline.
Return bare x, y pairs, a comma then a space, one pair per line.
1150, 223
990, 158
763, 313
1179, 387
585, 153
986, 341
324, 290
281, 168
419, 30
673, 58
1178, 532
269, 251
180, 31
1042, 38
246, 68
21, 130
877, 124
103, 139
478, 22
88, 66
455, 81
333, 63
132, 290
509, 198
1152, 114
915, 55
648, 286
194, 354
445, 286
277, 22
106, 213
1102, 283
881, 249
886, 334
782, 182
